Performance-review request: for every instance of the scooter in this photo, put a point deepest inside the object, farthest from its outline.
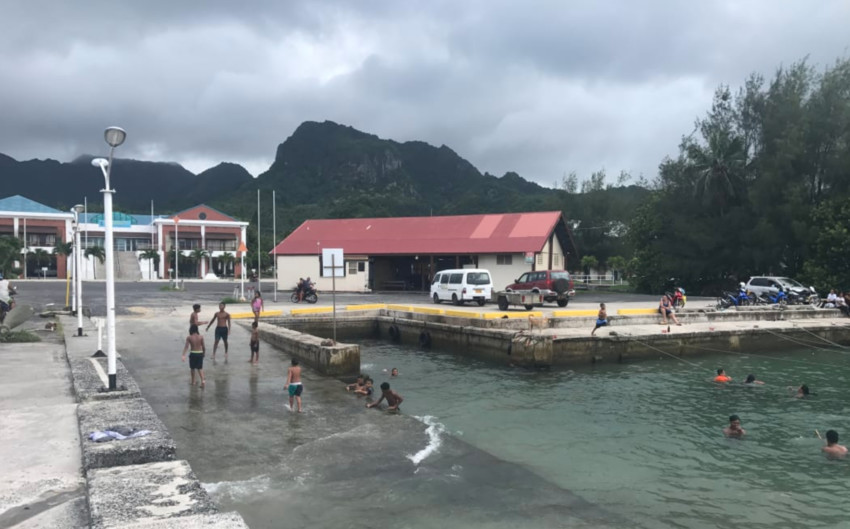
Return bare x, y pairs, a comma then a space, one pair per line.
779, 298
679, 298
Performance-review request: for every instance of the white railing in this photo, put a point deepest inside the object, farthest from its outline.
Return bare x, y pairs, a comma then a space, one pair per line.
601, 279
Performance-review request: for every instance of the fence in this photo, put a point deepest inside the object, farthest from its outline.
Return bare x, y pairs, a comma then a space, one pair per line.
597, 280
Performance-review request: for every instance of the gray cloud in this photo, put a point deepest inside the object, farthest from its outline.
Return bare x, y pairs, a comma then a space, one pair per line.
539, 88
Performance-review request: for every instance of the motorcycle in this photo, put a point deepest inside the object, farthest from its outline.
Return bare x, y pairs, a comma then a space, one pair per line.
5, 308
778, 298
310, 295
679, 298
732, 299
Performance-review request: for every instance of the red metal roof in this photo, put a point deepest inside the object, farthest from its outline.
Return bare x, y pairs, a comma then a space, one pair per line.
458, 234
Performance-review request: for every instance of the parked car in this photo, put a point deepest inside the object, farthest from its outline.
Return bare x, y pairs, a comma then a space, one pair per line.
458, 286
766, 285
555, 285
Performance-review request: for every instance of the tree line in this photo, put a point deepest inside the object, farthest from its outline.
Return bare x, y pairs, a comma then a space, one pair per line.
759, 187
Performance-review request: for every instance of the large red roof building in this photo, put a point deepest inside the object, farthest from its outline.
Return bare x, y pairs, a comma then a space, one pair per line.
405, 252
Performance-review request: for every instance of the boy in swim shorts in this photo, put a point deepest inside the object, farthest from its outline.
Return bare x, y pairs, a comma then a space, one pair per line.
196, 348
255, 344
293, 383
601, 319
222, 328
393, 399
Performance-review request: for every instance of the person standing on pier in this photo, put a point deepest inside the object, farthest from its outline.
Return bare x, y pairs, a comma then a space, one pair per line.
194, 318
222, 328
293, 384
196, 349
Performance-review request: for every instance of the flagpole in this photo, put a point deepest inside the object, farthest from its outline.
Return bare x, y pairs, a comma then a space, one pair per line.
274, 241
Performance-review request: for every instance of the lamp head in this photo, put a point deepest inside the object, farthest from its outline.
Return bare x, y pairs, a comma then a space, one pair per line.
79, 208
114, 136
103, 163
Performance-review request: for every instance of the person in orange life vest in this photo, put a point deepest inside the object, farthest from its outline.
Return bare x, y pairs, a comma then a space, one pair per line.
722, 376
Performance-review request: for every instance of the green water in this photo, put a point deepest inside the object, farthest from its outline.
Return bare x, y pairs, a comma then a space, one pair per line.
644, 440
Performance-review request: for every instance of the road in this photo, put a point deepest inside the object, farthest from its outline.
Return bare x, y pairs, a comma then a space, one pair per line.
46, 293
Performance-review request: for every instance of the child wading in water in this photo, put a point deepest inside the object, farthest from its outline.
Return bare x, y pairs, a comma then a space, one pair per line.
257, 305
196, 348
601, 319
255, 344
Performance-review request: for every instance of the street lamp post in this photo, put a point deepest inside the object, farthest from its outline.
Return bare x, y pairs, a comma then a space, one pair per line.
114, 136
176, 252
78, 266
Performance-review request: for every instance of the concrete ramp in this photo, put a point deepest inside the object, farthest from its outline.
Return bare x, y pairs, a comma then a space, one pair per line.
17, 316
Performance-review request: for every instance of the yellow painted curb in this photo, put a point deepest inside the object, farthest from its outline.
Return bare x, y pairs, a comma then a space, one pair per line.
312, 310
626, 312
246, 315
462, 314
405, 308
512, 315
428, 310
569, 313
366, 307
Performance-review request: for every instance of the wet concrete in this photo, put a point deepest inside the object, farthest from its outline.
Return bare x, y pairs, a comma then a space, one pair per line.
337, 464
39, 446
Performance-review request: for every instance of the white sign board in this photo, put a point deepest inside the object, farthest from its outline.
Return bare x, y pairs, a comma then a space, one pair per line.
333, 264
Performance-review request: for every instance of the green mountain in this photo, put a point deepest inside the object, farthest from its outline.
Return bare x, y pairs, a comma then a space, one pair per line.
169, 185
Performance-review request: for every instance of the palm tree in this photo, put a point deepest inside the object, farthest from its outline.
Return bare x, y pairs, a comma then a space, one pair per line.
226, 259
97, 252
153, 260
198, 254
65, 249
720, 167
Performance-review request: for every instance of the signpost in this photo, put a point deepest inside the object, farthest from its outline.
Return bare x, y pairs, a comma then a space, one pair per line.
333, 264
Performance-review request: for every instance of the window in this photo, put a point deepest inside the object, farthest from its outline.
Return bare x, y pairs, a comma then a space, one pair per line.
444, 279
540, 259
524, 278
556, 260
352, 267
361, 266
478, 278
456, 279
505, 259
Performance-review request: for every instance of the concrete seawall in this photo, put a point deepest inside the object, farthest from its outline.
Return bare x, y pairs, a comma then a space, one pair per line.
135, 482
543, 342
327, 358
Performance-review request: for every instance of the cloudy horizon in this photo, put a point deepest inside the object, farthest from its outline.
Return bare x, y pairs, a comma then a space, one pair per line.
541, 89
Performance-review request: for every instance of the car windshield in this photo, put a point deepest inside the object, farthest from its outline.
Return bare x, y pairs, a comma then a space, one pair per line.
790, 282
560, 275
478, 278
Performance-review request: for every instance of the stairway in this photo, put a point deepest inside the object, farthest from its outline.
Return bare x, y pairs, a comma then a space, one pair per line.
127, 267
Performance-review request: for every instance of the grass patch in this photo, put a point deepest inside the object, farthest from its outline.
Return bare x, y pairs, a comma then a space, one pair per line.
18, 337
231, 301
168, 288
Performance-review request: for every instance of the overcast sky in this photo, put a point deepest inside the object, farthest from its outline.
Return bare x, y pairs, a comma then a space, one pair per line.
540, 88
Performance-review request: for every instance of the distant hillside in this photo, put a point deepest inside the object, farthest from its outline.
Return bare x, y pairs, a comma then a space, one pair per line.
169, 185
327, 170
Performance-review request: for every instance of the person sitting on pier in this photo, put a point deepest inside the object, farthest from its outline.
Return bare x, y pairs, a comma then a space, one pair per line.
833, 450
393, 399
722, 376
751, 381
367, 388
601, 319
734, 429
357, 385
665, 307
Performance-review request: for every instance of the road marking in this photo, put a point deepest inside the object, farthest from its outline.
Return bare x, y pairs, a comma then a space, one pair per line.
100, 372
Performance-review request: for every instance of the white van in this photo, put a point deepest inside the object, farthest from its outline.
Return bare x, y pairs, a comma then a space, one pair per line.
459, 286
